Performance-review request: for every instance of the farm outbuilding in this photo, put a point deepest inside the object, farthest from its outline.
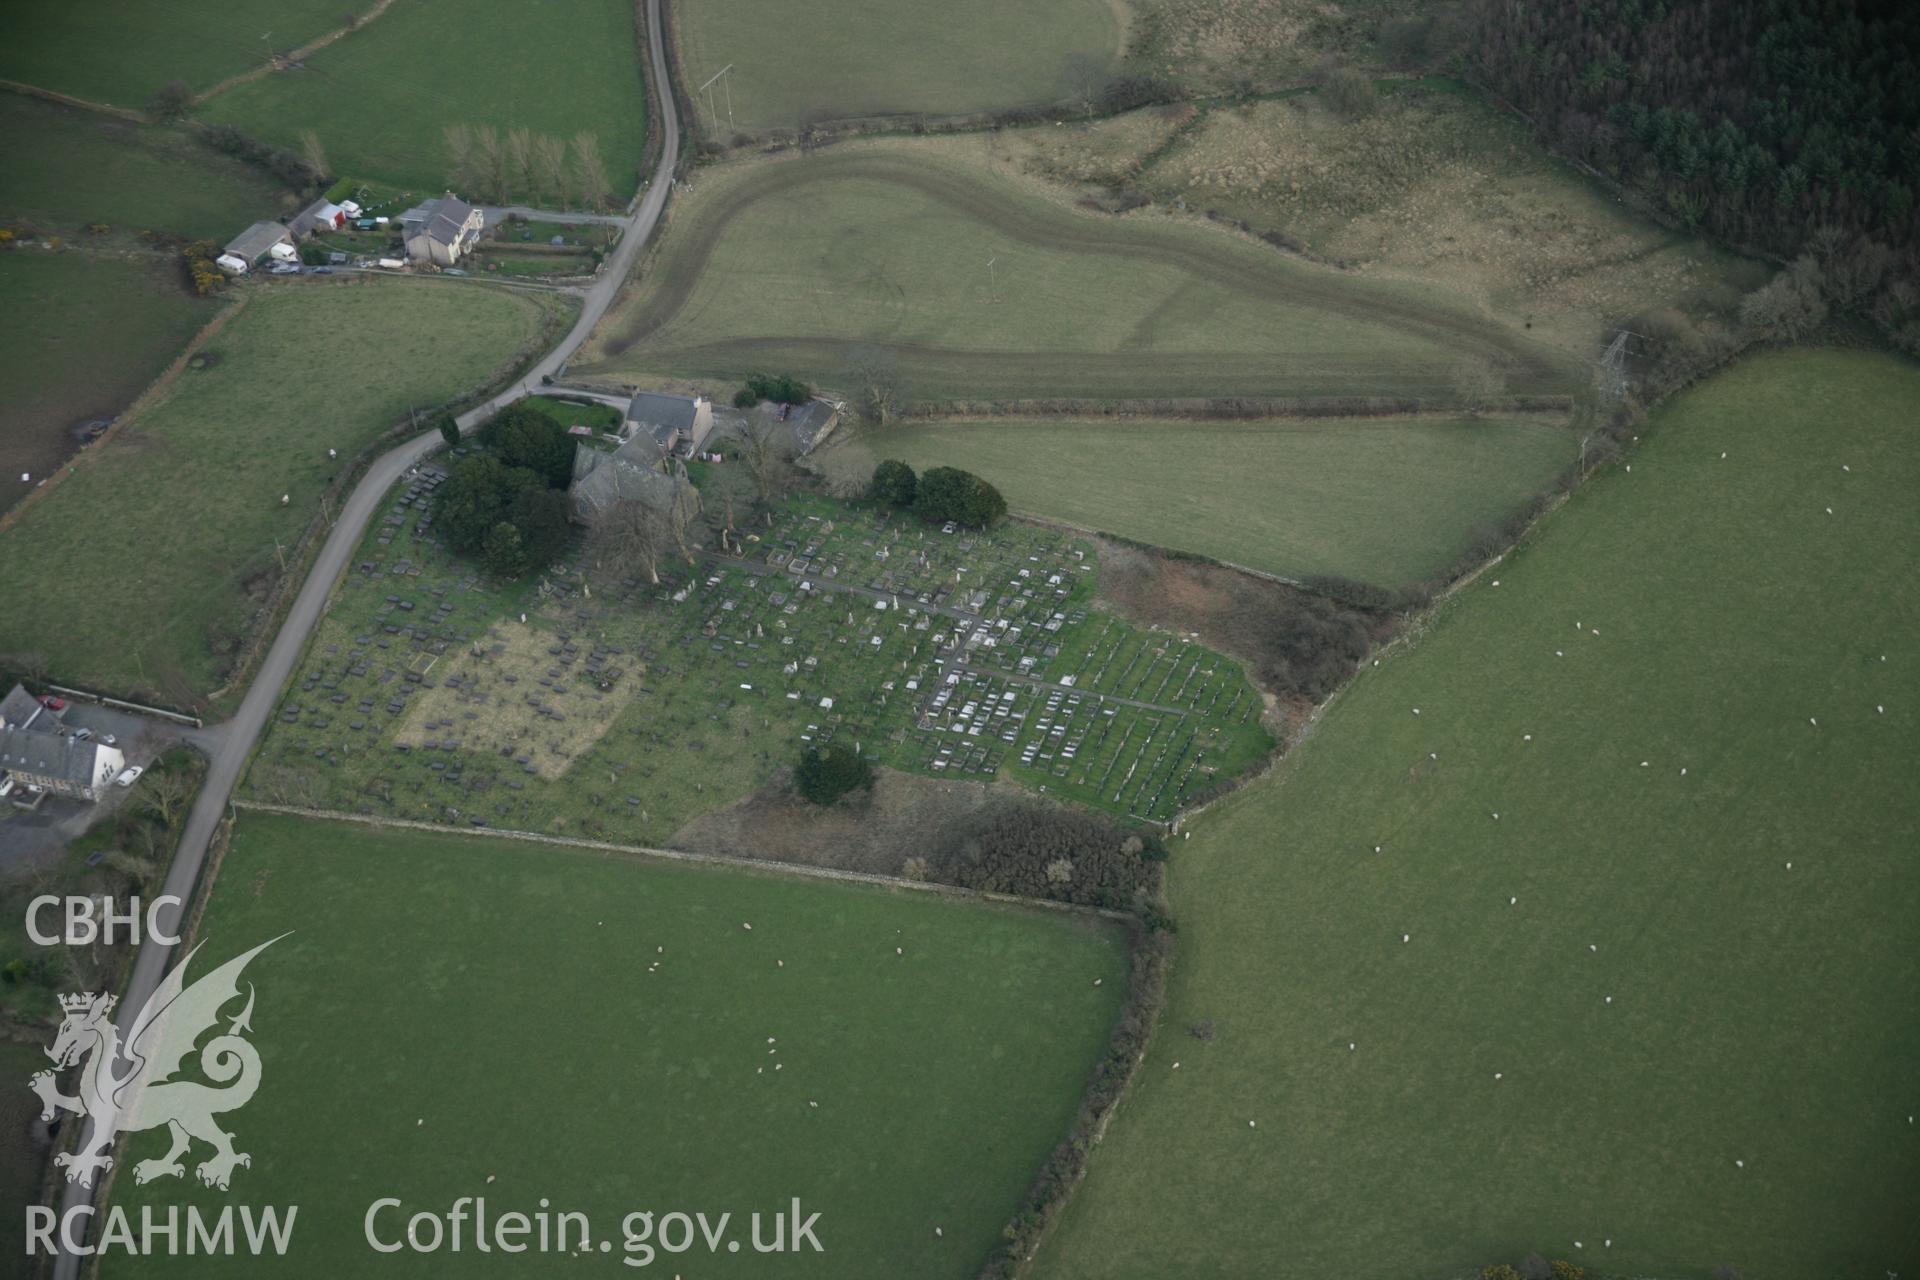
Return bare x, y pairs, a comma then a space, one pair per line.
257, 243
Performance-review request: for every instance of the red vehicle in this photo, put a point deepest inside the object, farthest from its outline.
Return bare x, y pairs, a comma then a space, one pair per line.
52, 703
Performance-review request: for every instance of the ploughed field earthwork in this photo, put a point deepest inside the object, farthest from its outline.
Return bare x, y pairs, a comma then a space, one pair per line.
454, 1017
622, 710
981, 286
1582, 923
1432, 185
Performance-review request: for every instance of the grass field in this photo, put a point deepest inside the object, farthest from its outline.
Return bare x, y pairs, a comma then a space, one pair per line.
455, 1016
795, 62
164, 537
20, 1165
121, 53
381, 110
787, 263
54, 307
1386, 501
1692, 1034
68, 169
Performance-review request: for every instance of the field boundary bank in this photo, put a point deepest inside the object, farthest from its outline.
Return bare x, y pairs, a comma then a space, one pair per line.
68, 100
281, 61
287, 588
655, 853
142, 403
1215, 408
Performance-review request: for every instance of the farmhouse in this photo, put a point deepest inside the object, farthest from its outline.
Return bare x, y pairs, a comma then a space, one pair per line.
38, 751
441, 231
255, 245
638, 470
677, 425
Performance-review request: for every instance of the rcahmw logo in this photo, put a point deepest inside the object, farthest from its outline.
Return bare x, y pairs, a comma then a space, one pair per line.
147, 1095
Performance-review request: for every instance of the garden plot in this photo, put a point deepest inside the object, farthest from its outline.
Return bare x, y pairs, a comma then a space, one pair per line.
622, 710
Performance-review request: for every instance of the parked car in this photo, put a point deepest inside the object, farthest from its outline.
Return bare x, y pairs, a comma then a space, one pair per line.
83, 735
110, 740
129, 776
284, 269
319, 271
453, 271
52, 703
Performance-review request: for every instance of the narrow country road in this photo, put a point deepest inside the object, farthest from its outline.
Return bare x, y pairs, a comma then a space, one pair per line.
241, 733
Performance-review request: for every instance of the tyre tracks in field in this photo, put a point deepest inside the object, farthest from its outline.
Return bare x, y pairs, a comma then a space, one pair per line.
679, 270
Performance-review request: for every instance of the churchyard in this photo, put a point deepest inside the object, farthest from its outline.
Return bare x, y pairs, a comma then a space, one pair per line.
588, 704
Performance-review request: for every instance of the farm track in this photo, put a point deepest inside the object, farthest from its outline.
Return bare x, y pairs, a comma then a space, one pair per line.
682, 266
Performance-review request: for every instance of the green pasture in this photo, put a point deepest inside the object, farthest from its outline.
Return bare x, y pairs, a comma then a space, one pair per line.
1583, 923
456, 1016
979, 288
380, 108
795, 63
54, 307
1386, 501
68, 169
121, 53
167, 533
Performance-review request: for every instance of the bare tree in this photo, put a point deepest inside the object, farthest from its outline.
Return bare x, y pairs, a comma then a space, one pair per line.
630, 536
520, 156
314, 156
165, 792
1790, 306
764, 442
879, 390
680, 516
491, 158
1478, 383
550, 156
460, 163
1086, 76
590, 171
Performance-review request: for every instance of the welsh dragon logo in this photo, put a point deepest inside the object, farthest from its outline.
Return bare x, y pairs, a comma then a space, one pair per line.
145, 1096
